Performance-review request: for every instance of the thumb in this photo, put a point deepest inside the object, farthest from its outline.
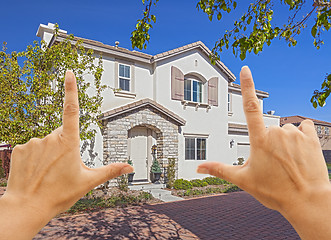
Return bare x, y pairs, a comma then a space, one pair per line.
97, 176
227, 172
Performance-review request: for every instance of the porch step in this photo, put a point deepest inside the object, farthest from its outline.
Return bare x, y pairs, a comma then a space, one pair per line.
156, 191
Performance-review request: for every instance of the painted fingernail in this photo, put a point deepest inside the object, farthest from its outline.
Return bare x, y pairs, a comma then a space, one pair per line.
202, 170
126, 170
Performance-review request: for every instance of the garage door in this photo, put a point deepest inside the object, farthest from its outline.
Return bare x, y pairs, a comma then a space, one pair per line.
243, 150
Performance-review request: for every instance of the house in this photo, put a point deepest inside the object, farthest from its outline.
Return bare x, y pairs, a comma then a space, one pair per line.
322, 129
177, 100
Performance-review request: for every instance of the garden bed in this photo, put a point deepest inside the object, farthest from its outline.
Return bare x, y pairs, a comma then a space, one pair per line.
205, 187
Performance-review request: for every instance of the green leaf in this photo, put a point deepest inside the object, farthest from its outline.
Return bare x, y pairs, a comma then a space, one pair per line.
234, 5
314, 30
219, 16
315, 104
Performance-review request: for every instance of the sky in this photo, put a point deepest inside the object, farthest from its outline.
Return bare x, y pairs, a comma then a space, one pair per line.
289, 74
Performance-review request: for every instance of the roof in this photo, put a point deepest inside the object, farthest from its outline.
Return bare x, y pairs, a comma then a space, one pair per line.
143, 103
299, 119
199, 45
237, 87
99, 46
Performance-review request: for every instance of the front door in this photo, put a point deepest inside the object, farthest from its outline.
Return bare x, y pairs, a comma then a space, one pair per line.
138, 153
140, 142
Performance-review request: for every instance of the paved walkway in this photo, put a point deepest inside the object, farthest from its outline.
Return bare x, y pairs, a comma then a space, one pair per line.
226, 216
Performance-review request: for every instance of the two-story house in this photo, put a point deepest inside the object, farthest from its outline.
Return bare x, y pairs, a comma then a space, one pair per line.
322, 129
177, 100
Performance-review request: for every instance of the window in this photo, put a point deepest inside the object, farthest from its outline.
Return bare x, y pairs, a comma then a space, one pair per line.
192, 90
195, 148
229, 102
326, 130
319, 130
124, 77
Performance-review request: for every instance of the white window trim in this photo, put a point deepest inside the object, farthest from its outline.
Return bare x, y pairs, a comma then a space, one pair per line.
229, 104
122, 93
195, 137
202, 90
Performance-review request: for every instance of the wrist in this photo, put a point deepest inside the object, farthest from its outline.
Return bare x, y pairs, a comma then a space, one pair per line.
18, 214
307, 209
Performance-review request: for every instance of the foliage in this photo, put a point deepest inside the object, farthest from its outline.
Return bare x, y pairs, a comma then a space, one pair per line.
122, 182
123, 200
208, 190
320, 97
198, 183
255, 28
3, 184
130, 163
156, 167
171, 172
241, 161
32, 89
215, 181
182, 184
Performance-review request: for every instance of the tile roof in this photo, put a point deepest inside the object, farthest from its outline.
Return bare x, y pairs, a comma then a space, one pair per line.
299, 119
142, 103
237, 86
159, 56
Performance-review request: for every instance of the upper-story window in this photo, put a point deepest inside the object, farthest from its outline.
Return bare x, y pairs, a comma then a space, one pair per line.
319, 130
192, 90
124, 77
327, 130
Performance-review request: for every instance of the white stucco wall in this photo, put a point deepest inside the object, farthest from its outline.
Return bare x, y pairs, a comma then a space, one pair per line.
212, 123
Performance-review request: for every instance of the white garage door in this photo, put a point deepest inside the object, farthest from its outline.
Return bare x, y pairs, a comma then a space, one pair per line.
243, 150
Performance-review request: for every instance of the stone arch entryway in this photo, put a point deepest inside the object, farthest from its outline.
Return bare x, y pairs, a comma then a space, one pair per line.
141, 120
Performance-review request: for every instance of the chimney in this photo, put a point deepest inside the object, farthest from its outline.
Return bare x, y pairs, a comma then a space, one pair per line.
117, 43
46, 32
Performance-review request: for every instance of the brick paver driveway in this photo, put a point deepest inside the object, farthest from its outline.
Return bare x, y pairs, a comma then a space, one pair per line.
226, 216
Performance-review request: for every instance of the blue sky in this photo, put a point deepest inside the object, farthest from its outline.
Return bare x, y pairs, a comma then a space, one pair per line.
289, 74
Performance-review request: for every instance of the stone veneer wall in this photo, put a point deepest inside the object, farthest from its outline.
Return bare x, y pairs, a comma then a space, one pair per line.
115, 135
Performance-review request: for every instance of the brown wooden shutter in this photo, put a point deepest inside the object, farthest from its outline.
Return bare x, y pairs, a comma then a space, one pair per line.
213, 91
177, 84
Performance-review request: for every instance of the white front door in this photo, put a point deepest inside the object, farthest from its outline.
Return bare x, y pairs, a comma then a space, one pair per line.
138, 152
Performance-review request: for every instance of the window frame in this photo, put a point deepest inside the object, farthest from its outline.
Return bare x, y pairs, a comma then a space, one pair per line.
123, 77
196, 150
319, 129
199, 83
327, 131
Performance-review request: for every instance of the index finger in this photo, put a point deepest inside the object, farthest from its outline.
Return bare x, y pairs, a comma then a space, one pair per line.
251, 105
70, 116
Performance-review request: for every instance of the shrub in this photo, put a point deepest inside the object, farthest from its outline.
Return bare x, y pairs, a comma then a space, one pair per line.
122, 182
156, 167
182, 184
171, 171
214, 181
241, 161
232, 188
198, 183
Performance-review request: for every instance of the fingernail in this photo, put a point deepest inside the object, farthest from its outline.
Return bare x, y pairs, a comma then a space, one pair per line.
126, 170
202, 170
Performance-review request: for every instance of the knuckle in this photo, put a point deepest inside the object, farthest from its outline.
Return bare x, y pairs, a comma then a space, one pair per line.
70, 109
252, 105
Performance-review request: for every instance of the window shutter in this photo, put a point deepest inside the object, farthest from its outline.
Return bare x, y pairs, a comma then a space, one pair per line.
213, 91
177, 84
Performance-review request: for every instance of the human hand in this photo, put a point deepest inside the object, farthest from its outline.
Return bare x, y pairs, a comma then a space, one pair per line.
48, 175
286, 165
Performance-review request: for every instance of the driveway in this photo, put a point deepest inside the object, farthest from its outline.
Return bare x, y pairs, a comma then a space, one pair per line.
226, 216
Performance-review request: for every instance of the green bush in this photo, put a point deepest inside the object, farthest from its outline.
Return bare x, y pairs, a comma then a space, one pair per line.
198, 183
232, 188
214, 181
182, 184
